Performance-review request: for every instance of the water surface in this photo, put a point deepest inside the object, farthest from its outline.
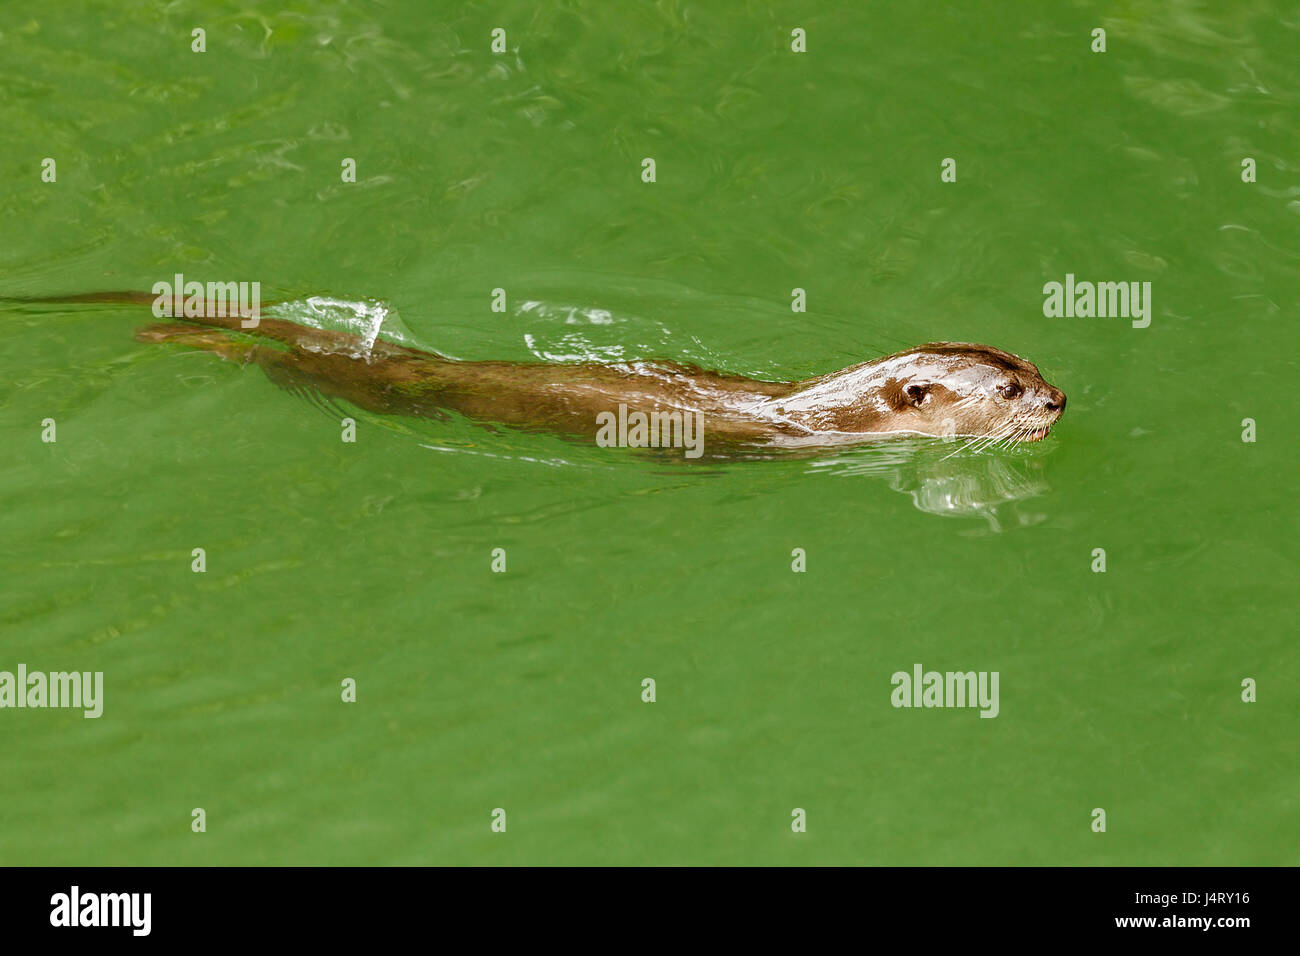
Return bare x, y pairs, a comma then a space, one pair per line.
522, 690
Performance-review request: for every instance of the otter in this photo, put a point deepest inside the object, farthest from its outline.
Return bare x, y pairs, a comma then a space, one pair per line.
941, 389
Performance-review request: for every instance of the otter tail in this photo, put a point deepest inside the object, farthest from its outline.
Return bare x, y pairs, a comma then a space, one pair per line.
219, 314
229, 317
85, 298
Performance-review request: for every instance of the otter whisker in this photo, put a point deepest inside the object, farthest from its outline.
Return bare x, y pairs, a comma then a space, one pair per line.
973, 446
990, 440
1019, 431
1009, 441
982, 442
1018, 436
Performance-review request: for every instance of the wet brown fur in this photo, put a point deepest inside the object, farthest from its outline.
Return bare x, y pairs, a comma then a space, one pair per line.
942, 388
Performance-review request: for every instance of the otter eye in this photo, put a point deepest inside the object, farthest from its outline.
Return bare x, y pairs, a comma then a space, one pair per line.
1010, 390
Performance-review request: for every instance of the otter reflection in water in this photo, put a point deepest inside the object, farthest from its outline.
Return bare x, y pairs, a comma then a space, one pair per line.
940, 482
943, 389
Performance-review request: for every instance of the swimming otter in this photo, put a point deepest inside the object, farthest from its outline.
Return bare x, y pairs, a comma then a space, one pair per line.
939, 389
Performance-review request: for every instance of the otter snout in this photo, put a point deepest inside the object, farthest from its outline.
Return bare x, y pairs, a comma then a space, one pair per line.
1055, 400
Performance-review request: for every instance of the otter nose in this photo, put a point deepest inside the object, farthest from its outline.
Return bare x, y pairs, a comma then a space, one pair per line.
1055, 400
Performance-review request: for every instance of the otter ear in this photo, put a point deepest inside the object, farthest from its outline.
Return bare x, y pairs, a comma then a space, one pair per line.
916, 395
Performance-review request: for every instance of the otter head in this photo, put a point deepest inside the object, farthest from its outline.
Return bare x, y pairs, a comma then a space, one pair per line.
960, 389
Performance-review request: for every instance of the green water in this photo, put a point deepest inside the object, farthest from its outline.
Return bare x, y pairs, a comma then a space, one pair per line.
774, 171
